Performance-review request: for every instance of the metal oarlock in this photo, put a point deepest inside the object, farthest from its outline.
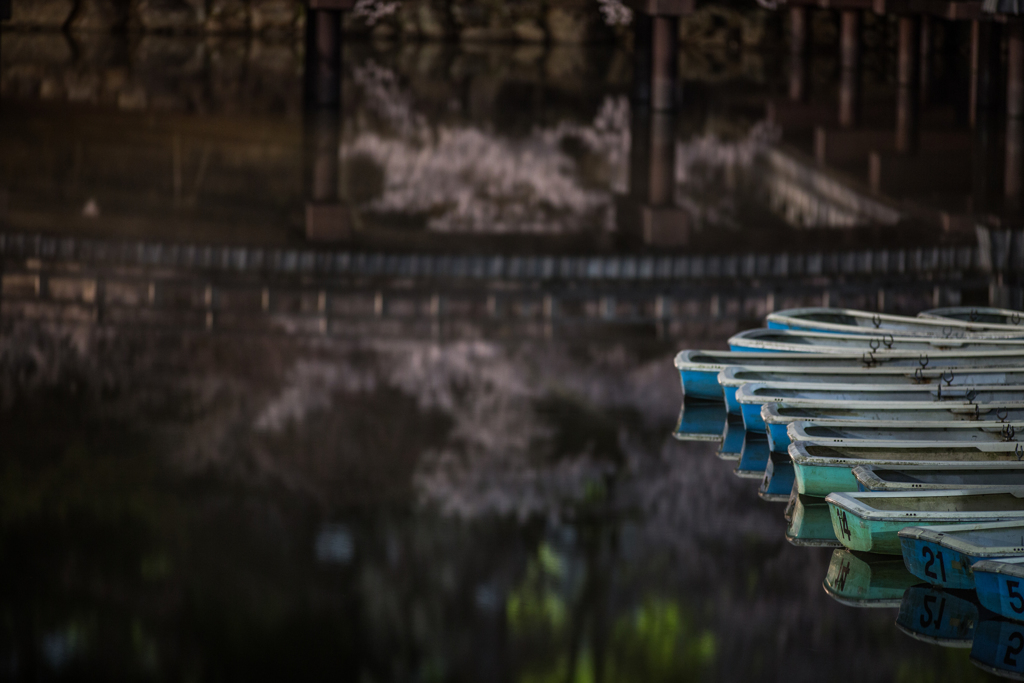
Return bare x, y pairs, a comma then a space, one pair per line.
876, 320
874, 344
1009, 432
888, 340
1015, 318
951, 377
1002, 415
1019, 452
923, 360
974, 315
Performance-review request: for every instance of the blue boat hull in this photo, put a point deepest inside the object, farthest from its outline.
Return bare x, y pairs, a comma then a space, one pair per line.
1001, 594
779, 477
752, 417
754, 457
701, 384
731, 404
936, 565
778, 438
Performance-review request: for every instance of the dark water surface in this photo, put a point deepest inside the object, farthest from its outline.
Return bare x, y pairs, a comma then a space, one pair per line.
384, 464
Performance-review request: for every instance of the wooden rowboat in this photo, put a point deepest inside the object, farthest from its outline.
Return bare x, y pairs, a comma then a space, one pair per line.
903, 434
698, 370
974, 399
960, 475
733, 377
984, 315
850, 321
822, 468
1000, 587
943, 555
778, 416
871, 522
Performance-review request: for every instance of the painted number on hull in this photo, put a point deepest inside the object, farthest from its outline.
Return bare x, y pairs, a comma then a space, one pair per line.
1014, 595
928, 554
1016, 644
844, 524
844, 572
929, 618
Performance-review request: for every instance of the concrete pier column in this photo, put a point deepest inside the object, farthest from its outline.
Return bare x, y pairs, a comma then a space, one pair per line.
849, 60
662, 171
642, 24
925, 50
323, 57
1015, 69
664, 57
799, 48
1013, 175
986, 58
907, 74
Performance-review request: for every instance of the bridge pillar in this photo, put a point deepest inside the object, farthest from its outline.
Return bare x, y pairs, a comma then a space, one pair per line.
849, 61
1013, 178
323, 51
799, 48
907, 75
656, 50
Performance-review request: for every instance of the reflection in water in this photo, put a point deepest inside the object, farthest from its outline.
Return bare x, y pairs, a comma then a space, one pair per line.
288, 394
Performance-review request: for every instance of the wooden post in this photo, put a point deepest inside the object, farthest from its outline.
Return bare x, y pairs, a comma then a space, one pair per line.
849, 58
907, 97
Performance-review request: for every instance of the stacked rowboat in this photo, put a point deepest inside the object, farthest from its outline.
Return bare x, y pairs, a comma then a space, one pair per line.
897, 440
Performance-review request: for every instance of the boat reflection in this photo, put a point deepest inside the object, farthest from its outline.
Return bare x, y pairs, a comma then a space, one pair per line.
809, 523
998, 648
945, 618
700, 421
867, 580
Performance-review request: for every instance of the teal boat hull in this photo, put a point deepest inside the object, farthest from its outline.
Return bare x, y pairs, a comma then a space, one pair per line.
866, 535
820, 480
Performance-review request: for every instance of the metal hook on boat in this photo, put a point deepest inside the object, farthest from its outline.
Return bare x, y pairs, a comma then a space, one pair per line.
888, 340
947, 331
1009, 432
1015, 318
874, 344
974, 315
922, 360
876, 320
868, 358
971, 395
950, 379
1019, 452
977, 412
1002, 414
919, 375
